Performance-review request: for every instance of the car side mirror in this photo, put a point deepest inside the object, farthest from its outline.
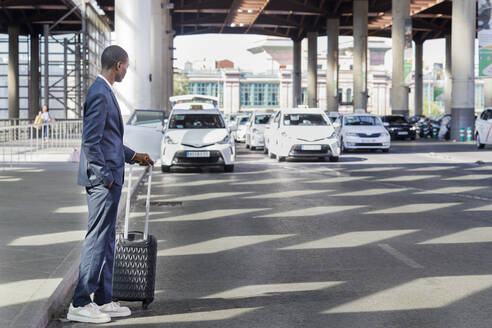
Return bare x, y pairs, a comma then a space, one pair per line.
386, 124
233, 128
336, 125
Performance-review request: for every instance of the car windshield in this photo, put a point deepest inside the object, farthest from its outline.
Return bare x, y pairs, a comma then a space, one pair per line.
143, 117
395, 119
196, 121
262, 119
243, 120
361, 120
304, 119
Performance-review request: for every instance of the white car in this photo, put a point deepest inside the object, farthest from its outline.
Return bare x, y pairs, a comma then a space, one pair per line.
483, 128
240, 124
301, 133
362, 131
197, 138
255, 129
194, 102
143, 131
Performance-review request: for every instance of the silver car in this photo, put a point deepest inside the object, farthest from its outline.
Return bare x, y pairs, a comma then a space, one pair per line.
255, 129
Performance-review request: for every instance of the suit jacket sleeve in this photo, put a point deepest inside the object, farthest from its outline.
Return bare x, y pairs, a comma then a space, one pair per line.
94, 122
129, 154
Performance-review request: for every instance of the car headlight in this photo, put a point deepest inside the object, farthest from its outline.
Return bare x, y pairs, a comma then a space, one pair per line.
413, 128
226, 140
332, 136
254, 130
352, 134
169, 141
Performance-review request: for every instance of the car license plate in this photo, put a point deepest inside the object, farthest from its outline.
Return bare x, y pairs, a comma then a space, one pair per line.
402, 133
194, 154
311, 147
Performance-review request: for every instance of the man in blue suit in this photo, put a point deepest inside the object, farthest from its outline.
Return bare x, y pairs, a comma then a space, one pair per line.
101, 172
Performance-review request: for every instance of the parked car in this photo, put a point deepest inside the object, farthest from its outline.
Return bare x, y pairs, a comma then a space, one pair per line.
333, 116
415, 119
295, 133
483, 128
399, 127
195, 102
144, 130
439, 122
362, 131
255, 129
240, 128
197, 138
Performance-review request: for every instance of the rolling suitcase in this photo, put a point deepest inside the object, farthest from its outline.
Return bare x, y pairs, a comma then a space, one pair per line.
135, 258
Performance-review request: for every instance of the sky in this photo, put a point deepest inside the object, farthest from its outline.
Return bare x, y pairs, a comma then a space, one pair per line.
196, 48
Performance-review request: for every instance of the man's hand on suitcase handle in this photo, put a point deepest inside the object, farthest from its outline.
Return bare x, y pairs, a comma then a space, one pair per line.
143, 159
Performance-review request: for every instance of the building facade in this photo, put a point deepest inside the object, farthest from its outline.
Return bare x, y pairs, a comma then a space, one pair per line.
238, 90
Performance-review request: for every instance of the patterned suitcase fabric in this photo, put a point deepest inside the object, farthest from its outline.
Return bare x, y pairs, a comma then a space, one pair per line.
135, 268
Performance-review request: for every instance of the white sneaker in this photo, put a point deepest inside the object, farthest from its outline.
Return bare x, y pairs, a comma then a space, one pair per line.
114, 309
89, 313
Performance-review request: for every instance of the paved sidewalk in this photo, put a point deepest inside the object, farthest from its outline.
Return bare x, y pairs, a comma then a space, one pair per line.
43, 221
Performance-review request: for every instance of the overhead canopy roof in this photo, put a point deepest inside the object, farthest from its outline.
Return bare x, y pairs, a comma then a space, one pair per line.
294, 18
31, 15
290, 18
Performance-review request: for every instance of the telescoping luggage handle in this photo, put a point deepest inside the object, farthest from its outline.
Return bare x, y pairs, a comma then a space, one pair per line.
147, 205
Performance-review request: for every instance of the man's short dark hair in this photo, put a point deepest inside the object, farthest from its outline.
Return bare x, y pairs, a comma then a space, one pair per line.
112, 55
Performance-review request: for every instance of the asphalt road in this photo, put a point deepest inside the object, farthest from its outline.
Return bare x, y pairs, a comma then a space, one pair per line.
376, 240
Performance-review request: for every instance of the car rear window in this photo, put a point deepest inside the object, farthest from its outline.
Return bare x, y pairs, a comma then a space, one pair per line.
262, 119
361, 120
196, 121
243, 120
394, 119
304, 119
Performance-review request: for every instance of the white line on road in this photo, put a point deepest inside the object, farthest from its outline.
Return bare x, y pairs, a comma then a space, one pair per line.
399, 256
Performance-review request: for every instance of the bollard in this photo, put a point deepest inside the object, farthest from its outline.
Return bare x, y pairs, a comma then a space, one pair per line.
434, 132
469, 134
462, 134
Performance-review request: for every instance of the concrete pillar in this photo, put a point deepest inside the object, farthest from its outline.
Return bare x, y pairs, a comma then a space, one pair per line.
132, 27
166, 56
419, 78
171, 59
448, 77
361, 8
34, 87
463, 56
399, 90
296, 74
312, 79
156, 31
13, 72
332, 31
46, 93
487, 92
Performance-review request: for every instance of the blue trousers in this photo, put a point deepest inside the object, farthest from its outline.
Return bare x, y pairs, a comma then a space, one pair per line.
97, 258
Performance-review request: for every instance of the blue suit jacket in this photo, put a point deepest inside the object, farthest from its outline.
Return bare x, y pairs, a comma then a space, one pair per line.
103, 155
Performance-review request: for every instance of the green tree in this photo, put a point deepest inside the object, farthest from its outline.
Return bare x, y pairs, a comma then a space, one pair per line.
180, 84
435, 109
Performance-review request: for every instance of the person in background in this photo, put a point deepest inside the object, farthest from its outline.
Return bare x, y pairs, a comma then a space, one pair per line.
46, 119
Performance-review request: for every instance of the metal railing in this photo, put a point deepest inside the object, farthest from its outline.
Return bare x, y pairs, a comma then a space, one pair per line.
24, 143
